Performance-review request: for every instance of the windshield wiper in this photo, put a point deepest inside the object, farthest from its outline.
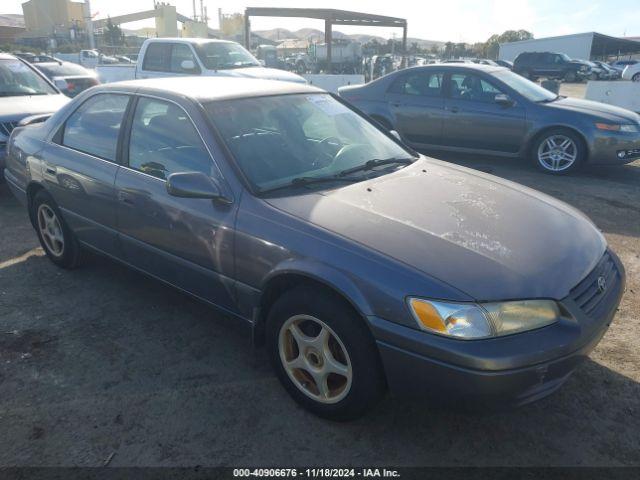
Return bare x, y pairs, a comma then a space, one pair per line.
376, 162
302, 181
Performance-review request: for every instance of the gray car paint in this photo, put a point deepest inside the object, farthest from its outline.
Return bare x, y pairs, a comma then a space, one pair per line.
431, 229
494, 129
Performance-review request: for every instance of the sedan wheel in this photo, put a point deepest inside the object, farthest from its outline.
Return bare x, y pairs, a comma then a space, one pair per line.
558, 152
636, 77
315, 359
51, 230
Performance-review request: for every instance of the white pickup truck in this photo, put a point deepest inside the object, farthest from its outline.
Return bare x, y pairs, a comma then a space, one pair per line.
171, 57
86, 58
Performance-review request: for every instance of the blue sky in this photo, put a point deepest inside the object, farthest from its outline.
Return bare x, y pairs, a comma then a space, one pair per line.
454, 20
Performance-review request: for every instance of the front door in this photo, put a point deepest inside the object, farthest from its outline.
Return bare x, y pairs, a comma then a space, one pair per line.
187, 242
475, 121
417, 103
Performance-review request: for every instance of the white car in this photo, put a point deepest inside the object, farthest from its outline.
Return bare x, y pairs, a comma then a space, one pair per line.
632, 72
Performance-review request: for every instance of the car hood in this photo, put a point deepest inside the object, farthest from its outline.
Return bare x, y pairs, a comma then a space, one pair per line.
16, 108
597, 109
263, 73
487, 237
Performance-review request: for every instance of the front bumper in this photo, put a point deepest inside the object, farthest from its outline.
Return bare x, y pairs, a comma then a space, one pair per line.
613, 148
505, 371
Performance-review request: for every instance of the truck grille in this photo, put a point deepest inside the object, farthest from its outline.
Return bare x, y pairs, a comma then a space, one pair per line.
590, 294
7, 127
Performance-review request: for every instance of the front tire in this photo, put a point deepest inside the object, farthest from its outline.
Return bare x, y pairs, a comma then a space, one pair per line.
570, 77
558, 151
636, 78
323, 354
57, 240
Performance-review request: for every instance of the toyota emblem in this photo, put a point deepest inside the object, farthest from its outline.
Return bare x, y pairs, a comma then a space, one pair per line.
602, 284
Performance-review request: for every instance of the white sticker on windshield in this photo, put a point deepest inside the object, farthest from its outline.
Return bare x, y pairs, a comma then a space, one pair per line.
327, 104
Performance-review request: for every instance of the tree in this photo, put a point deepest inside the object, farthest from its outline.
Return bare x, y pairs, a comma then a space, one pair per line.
492, 45
113, 34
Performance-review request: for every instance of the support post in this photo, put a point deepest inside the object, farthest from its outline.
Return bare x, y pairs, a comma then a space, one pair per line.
247, 31
328, 40
403, 64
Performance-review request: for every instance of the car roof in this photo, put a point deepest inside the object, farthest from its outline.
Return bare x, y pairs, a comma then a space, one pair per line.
205, 89
7, 56
192, 40
458, 66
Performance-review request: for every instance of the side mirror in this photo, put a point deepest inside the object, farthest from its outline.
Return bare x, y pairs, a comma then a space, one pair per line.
188, 65
194, 185
503, 99
395, 134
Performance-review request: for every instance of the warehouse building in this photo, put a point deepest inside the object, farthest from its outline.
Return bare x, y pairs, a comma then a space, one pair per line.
587, 46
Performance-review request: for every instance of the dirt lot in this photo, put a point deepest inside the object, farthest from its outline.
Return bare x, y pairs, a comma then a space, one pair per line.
103, 361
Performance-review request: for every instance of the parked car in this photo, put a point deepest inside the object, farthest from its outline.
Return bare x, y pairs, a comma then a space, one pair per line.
533, 65
613, 74
170, 57
632, 72
491, 110
620, 65
87, 58
70, 78
485, 61
25, 95
505, 63
33, 58
598, 72
432, 279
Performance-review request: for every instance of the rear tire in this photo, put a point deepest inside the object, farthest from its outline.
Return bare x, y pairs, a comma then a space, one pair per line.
570, 77
558, 151
323, 354
57, 240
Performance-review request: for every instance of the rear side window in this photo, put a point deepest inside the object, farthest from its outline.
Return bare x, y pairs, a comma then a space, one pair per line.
164, 141
424, 84
94, 127
168, 57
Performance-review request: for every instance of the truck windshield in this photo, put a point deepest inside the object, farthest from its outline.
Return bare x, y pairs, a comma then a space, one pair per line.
285, 140
16, 79
222, 55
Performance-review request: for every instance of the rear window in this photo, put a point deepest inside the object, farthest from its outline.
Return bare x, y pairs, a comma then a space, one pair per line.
64, 70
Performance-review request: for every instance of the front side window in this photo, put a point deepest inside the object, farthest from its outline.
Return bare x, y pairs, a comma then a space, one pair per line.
17, 79
225, 55
424, 84
278, 139
467, 86
528, 89
164, 141
94, 127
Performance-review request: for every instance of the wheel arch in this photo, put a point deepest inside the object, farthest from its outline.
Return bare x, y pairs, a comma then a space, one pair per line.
535, 136
322, 277
32, 190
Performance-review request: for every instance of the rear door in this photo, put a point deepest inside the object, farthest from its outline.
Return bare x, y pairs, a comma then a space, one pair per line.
416, 101
475, 121
81, 165
165, 59
187, 242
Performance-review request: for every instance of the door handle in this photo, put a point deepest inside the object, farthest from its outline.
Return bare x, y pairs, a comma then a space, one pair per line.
455, 109
50, 169
125, 198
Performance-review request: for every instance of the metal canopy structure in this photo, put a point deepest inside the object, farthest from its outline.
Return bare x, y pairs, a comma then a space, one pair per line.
331, 17
605, 45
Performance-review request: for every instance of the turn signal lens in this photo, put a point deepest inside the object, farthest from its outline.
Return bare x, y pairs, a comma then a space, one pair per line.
608, 126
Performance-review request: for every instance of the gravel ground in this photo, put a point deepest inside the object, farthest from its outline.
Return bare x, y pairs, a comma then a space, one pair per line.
102, 363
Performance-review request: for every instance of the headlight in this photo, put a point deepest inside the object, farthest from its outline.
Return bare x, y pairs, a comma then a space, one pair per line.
613, 127
485, 320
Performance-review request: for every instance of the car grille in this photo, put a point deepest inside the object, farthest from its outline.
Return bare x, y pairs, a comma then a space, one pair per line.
7, 127
589, 295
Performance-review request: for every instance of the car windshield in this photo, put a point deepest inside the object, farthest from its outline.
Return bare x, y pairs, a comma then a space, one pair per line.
279, 140
526, 88
222, 55
16, 78
64, 70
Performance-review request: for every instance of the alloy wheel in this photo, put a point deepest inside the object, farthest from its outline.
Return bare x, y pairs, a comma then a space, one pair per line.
315, 359
50, 230
557, 153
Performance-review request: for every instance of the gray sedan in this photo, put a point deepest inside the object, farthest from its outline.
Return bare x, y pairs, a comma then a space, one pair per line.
361, 265
484, 109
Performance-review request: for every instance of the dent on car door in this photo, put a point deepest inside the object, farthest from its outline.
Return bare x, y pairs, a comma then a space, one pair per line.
474, 120
80, 166
187, 242
417, 103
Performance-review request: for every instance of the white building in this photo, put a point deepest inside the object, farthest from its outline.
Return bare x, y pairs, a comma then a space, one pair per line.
584, 46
